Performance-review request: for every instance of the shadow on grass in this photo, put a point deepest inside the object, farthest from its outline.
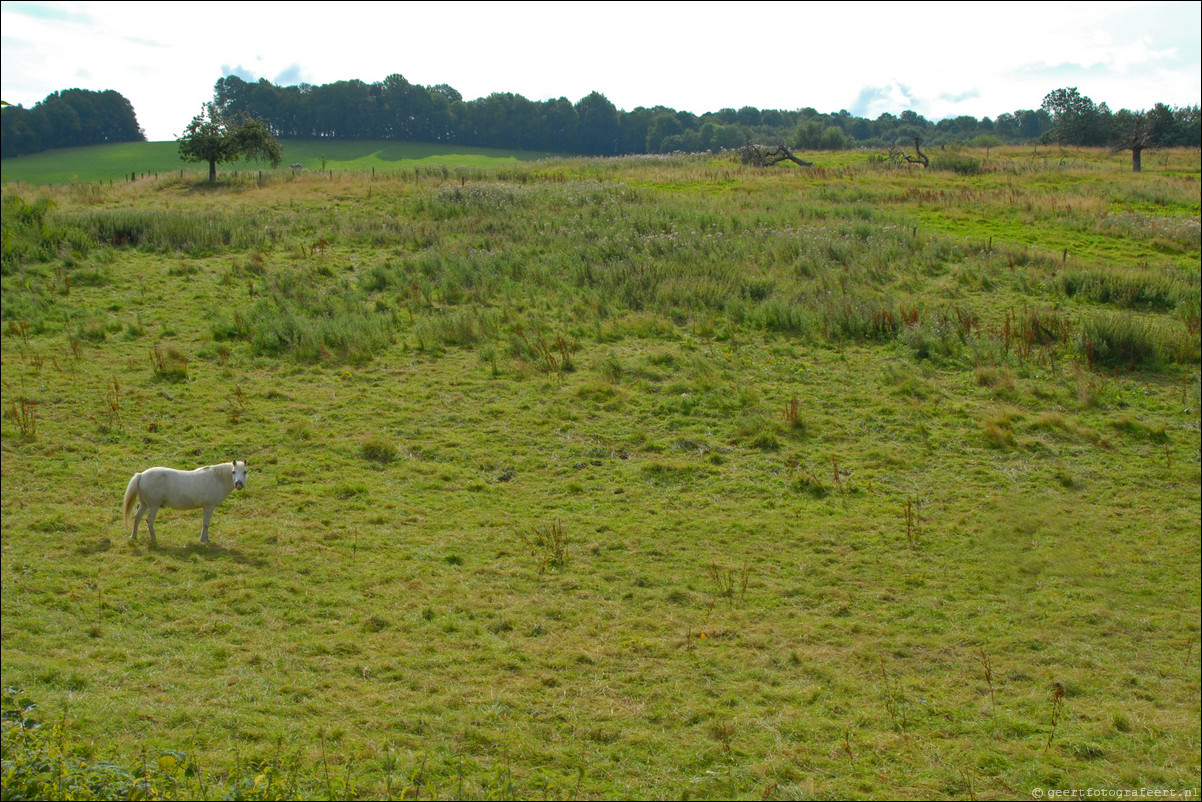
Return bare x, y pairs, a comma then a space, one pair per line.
224, 183
98, 546
203, 551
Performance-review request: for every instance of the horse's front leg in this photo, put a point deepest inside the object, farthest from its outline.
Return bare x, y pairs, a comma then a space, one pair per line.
204, 529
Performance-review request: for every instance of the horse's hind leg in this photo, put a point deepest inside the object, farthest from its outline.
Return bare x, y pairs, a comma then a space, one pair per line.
137, 520
150, 522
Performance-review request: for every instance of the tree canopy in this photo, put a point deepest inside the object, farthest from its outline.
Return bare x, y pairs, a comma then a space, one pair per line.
67, 119
218, 137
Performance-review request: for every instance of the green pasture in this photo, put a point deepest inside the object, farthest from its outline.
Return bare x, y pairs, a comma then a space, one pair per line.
159, 160
656, 477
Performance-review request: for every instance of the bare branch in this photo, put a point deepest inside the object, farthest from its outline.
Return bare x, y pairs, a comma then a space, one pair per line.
922, 157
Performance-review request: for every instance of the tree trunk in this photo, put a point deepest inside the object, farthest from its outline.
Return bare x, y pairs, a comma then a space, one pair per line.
212, 171
1136, 155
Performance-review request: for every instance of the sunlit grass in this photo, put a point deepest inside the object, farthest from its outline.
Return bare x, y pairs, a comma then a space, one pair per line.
615, 478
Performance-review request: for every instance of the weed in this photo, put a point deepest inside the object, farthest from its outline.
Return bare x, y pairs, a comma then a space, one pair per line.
792, 415
25, 413
723, 732
729, 583
548, 544
987, 667
553, 356
110, 405
169, 365
1057, 701
20, 328
897, 704
806, 480
236, 406
912, 512
847, 749
840, 476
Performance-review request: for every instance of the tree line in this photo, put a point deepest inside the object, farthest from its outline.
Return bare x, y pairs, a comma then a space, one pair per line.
67, 119
1077, 120
397, 109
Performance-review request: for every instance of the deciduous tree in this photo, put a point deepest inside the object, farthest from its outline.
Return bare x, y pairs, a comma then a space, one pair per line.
1135, 134
212, 137
1077, 120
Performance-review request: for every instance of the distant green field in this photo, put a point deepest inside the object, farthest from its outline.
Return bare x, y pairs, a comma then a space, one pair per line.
115, 162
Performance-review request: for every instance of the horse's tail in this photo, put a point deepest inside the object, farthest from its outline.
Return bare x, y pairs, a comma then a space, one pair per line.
131, 495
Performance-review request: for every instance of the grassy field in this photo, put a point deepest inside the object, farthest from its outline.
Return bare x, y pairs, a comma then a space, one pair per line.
121, 162
630, 478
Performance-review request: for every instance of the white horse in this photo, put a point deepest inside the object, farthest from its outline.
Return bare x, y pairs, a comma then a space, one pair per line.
182, 490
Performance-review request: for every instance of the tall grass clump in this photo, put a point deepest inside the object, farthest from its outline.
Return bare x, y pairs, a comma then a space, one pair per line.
858, 317
456, 327
31, 233
1129, 342
1134, 288
299, 320
158, 230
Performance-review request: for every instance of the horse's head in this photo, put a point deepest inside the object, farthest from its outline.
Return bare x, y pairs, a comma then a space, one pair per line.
239, 474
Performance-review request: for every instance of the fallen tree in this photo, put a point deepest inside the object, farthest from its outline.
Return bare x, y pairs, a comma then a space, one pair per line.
765, 156
896, 156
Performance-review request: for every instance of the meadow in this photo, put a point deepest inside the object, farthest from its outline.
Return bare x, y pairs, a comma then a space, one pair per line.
655, 477
160, 160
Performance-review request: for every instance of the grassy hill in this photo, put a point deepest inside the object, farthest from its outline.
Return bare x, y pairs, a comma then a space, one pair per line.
613, 478
161, 159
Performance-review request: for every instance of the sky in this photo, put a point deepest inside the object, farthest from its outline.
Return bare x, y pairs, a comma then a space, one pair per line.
937, 59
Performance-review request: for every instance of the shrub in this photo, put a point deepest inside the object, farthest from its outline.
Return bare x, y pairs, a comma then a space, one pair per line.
957, 163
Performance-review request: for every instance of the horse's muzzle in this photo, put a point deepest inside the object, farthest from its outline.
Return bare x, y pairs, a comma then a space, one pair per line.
237, 485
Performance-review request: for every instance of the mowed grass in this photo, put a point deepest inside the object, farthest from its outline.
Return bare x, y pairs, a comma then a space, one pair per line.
656, 477
127, 160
